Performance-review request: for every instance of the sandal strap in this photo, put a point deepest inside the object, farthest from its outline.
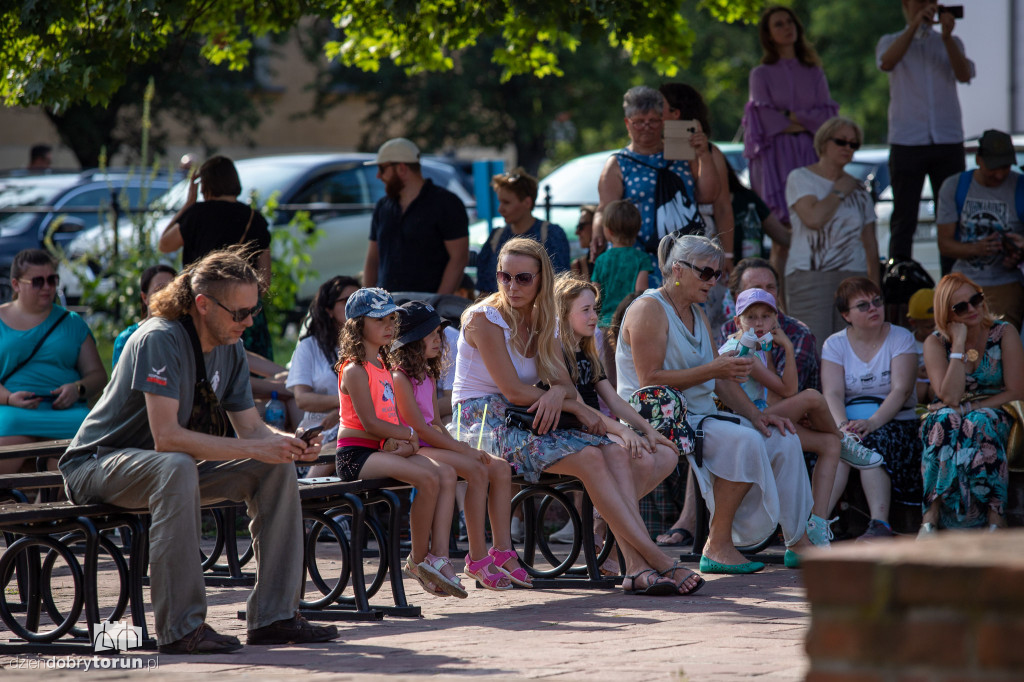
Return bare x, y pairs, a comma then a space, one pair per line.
501, 556
476, 566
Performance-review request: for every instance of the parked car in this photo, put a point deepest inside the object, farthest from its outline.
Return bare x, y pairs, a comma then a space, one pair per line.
69, 204
337, 190
572, 185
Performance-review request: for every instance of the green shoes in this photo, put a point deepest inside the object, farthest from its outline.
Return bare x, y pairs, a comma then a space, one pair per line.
792, 559
711, 566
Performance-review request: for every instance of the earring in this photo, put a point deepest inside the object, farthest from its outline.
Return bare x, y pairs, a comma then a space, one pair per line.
677, 282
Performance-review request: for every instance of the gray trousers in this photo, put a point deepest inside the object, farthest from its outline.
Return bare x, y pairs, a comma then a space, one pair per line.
172, 486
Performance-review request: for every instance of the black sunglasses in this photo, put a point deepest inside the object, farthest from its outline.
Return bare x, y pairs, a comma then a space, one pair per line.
847, 143
238, 315
705, 274
523, 279
865, 306
39, 281
974, 301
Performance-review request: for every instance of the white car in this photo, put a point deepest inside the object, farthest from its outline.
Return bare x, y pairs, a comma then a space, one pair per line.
337, 190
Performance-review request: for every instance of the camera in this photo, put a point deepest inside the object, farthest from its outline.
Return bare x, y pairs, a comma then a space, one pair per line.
956, 10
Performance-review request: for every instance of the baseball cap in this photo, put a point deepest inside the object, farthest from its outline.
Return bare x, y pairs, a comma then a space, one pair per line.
370, 302
417, 319
749, 297
996, 149
921, 305
398, 150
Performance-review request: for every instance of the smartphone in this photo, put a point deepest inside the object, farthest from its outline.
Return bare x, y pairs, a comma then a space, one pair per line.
956, 10
677, 140
310, 433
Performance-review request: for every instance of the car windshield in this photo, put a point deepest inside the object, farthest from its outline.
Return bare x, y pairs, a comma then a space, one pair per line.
574, 183
42, 191
260, 176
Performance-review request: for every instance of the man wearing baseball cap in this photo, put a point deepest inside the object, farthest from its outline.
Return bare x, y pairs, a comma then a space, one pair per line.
977, 212
419, 235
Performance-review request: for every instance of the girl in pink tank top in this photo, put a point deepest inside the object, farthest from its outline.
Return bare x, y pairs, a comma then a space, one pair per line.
420, 353
372, 443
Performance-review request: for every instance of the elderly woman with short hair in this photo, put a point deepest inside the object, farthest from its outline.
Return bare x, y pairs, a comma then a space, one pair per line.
833, 222
632, 173
753, 474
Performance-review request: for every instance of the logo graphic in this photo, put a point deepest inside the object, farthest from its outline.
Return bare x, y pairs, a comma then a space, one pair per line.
155, 376
118, 636
215, 381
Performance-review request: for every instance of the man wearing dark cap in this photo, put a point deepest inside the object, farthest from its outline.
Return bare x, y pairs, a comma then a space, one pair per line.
978, 211
419, 236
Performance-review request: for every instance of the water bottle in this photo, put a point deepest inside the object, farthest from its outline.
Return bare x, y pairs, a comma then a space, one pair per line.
766, 341
748, 342
275, 414
751, 245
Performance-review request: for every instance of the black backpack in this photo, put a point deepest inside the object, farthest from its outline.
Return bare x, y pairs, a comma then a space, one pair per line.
902, 278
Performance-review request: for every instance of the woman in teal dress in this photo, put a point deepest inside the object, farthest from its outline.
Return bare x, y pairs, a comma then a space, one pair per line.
45, 397
975, 364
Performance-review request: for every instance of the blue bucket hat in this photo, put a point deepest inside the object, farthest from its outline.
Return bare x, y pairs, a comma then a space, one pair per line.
370, 302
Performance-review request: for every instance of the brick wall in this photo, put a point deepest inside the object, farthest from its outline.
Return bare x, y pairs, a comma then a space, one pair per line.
949, 609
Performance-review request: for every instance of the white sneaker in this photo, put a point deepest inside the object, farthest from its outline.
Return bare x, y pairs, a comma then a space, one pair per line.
565, 535
857, 455
517, 530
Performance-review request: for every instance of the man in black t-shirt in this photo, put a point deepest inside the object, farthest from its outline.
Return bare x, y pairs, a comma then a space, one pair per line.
156, 440
419, 236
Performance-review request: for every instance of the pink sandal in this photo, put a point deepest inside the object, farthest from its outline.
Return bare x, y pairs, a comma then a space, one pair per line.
519, 576
478, 571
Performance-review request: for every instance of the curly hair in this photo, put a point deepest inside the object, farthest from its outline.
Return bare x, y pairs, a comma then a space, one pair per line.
322, 325
351, 345
211, 275
409, 358
568, 288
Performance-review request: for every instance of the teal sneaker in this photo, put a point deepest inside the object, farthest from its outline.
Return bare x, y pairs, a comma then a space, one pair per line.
857, 455
819, 531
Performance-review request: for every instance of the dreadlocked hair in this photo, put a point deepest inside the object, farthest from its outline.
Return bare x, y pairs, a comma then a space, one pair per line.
568, 287
351, 346
211, 275
411, 360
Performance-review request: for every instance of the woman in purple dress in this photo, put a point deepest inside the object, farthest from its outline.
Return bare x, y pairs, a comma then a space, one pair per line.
789, 100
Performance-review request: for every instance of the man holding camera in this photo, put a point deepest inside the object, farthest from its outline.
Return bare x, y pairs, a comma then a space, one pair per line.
978, 212
925, 127
159, 439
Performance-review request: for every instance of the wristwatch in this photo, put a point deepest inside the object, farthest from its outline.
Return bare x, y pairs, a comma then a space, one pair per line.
956, 356
81, 389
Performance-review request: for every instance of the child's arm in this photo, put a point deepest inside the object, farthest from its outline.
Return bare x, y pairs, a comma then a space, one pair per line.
790, 378
356, 382
641, 282
766, 376
624, 411
409, 411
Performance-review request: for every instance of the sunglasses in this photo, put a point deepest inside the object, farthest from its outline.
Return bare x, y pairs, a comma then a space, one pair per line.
865, 306
974, 301
847, 143
523, 279
705, 274
38, 282
238, 315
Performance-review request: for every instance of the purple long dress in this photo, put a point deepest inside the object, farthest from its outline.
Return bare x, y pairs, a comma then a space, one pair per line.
786, 84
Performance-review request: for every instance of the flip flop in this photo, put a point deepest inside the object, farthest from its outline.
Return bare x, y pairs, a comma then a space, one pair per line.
685, 538
655, 589
679, 585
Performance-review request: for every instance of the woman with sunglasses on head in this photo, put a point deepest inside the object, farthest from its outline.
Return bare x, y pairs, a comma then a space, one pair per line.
869, 379
975, 364
507, 344
833, 229
49, 365
753, 474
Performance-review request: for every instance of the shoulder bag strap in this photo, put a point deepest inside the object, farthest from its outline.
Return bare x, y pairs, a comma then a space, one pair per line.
197, 348
698, 445
39, 344
252, 214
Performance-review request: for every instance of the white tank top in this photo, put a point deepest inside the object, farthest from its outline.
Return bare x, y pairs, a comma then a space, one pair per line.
472, 379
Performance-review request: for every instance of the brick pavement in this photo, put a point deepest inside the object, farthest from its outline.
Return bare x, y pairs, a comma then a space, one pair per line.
736, 628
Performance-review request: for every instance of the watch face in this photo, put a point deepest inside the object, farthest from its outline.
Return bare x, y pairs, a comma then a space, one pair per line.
972, 355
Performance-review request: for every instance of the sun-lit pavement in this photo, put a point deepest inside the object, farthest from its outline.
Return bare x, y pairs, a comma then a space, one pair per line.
736, 628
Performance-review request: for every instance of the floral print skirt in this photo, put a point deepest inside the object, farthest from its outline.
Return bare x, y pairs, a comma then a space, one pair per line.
964, 464
528, 454
900, 446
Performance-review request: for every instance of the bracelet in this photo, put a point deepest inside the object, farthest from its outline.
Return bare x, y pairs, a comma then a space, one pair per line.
412, 434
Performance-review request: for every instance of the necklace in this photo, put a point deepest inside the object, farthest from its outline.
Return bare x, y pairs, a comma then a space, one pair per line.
668, 295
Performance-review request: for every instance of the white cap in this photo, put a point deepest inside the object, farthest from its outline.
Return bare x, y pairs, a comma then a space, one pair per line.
398, 150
